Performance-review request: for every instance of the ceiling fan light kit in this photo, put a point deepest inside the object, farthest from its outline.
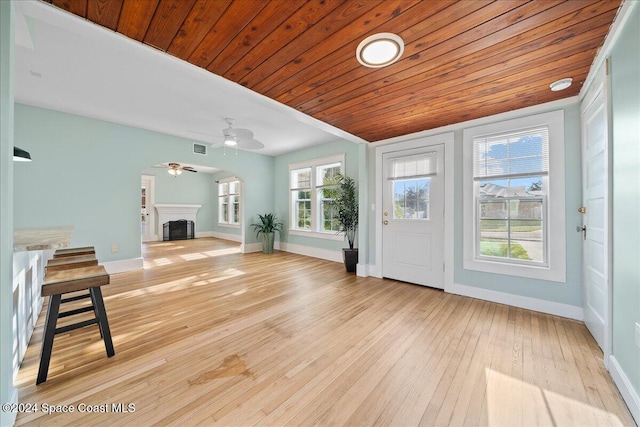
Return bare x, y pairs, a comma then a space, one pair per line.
239, 138
176, 169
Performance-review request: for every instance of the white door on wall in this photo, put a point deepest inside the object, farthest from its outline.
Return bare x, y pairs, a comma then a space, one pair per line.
413, 216
147, 215
595, 213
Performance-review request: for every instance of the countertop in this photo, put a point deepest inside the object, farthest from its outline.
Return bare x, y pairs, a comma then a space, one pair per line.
42, 238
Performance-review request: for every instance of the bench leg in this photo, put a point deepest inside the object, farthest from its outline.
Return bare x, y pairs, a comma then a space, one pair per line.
47, 340
101, 314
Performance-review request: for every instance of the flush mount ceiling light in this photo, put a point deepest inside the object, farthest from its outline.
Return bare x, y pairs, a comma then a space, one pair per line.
561, 84
20, 155
380, 50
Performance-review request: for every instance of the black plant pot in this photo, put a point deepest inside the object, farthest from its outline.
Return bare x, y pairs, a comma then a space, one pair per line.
350, 257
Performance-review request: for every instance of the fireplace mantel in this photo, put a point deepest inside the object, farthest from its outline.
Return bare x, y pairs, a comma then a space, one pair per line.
174, 212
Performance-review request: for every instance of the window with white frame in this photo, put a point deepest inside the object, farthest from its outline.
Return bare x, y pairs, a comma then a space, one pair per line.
229, 202
514, 197
313, 185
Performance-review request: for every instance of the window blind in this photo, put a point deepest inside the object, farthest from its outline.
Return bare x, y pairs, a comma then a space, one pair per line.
420, 166
511, 155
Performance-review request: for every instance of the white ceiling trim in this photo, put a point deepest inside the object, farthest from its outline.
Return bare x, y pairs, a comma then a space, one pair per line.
81, 68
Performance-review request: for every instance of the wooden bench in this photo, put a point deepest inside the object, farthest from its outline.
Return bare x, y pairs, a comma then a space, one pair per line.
58, 283
86, 250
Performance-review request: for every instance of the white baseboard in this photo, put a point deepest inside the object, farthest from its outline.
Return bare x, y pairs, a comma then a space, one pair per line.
199, 234
543, 306
325, 254
251, 247
123, 265
219, 235
629, 394
362, 270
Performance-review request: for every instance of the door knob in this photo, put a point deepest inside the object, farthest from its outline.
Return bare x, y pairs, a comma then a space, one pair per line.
385, 222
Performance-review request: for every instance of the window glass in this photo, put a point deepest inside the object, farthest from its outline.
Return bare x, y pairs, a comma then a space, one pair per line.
510, 175
411, 198
229, 203
313, 190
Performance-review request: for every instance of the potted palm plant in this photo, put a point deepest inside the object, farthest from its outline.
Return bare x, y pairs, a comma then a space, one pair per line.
269, 224
346, 205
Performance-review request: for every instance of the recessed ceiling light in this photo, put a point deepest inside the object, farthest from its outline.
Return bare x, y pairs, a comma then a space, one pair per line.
380, 50
561, 84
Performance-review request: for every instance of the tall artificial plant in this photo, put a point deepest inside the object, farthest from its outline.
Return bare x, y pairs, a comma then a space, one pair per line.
269, 223
346, 205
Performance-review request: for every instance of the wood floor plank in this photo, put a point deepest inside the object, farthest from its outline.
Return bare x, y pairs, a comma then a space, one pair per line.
206, 335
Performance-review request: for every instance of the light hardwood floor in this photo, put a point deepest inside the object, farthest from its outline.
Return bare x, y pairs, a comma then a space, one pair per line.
205, 335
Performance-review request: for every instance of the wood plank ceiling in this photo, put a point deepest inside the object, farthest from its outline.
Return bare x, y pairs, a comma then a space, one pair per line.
462, 59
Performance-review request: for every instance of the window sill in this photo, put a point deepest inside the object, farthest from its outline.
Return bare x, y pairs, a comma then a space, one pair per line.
551, 273
229, 225
317, 235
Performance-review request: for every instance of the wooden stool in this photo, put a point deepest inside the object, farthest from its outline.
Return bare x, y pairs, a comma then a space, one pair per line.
87, 250
69, 262
57, 283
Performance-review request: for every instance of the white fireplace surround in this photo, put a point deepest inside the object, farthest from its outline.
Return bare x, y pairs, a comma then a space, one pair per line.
174, 212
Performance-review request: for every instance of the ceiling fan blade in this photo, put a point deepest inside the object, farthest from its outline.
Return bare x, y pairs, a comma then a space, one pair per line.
241, 133
189, 169
250, 144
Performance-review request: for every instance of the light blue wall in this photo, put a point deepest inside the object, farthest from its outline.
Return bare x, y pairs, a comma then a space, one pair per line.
625, 100
567, 293
7, 391
86, 173
281, 182
188, 188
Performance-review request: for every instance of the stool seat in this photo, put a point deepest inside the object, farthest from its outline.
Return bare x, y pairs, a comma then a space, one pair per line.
60, 253
57, 283
69, 262
77, 279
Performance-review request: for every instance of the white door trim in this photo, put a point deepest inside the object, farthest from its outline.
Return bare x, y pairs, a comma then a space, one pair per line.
446, 139
151, 201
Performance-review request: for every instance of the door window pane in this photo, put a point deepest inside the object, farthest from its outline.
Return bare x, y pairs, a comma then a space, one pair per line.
411, 198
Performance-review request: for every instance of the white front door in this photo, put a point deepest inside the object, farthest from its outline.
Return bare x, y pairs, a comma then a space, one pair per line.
413, 216
595, 218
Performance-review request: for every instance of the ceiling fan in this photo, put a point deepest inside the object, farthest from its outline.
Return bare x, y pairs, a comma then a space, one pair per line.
240, 138
176, 169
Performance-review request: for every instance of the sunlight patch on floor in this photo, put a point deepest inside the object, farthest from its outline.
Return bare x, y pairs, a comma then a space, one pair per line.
159, 262
226, 251
509, 397
175, 285
229, 273
192, 257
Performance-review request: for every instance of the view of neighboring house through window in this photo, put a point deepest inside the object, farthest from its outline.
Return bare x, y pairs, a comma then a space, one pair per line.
510, 175
514, 197
313, 185
229, 202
